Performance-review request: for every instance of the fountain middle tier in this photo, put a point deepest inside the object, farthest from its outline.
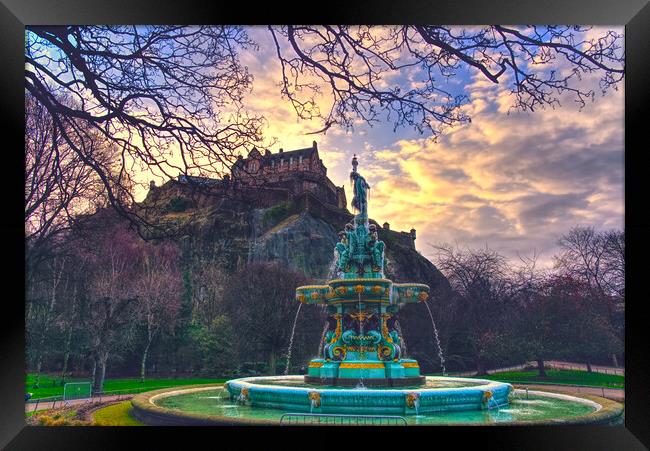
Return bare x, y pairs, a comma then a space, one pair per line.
362, 342
376, 291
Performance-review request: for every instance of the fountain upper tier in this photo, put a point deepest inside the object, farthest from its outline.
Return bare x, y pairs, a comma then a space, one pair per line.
362, 344
359, 256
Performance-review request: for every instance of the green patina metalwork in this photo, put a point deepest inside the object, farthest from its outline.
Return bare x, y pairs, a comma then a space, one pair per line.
362, 342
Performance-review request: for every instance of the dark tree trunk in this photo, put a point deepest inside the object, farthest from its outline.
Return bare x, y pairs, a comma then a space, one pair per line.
480, 368
272, 362
143, 363
102, 374
93, 378
540, 367
68, 338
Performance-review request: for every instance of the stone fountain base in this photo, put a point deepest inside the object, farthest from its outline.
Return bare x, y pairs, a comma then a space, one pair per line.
289, 394
378, 382
348, 373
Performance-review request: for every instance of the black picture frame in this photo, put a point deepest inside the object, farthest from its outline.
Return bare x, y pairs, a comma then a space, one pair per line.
634, 14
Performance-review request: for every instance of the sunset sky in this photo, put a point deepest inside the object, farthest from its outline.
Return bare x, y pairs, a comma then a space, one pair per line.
514, 182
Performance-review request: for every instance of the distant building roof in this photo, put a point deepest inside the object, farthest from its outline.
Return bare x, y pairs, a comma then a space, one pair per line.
305, 153
199, 180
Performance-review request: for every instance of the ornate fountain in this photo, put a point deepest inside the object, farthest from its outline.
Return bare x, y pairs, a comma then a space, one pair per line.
362, 372
362, 345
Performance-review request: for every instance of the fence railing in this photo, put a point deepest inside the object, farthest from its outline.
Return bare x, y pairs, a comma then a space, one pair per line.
341, 419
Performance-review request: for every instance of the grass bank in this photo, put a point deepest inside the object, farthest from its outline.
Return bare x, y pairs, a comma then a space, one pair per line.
118, 414
52, 385
564, 377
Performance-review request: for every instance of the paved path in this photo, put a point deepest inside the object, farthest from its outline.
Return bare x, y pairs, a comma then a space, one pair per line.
31, 406
616, 394
582, 366
551, 364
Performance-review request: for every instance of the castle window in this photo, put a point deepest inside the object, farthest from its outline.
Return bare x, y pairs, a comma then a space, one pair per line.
300, 160
290, 161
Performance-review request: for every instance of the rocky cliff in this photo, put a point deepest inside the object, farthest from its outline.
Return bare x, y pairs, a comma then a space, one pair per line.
300, 233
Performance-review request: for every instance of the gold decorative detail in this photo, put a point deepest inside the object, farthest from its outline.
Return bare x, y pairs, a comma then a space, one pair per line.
330, 294
360, 279
300, 297
383, 351
361, 365
341, 290
487, 395
339, 351
411, 399
353, 348
409, 293
377, 289
315, 295
314, 397
339, 328
244, 393
384, 327
423, 296
315, 364
358, 289
361, 316
410, 365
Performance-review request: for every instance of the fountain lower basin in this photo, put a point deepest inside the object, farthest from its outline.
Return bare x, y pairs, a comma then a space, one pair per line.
212, 405
438, 394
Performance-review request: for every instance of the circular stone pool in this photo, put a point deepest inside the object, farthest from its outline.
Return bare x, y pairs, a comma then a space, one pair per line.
211, 405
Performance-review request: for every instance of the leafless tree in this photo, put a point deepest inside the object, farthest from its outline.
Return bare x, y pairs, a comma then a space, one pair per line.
260, 300
167, 97
597, 258
58, 185
353, 66
158, 287
481, 280
111, 295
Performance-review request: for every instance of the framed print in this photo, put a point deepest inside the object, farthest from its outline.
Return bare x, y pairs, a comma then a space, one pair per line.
415, 220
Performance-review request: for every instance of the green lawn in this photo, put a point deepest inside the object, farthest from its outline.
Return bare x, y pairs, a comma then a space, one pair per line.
568, 377
51, 385
115, 415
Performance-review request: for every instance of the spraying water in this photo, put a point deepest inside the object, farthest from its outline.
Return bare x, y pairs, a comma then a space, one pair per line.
332, 270
435, 333
360, 385
293, 331
322, 339
401, 337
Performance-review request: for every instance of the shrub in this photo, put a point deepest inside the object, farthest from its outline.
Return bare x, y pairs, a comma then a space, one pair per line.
178, 204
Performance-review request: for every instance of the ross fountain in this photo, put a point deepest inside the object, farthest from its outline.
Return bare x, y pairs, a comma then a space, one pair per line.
362, 369
361, 350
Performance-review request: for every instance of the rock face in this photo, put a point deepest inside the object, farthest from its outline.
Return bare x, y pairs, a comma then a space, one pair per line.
297, 237
300, 241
